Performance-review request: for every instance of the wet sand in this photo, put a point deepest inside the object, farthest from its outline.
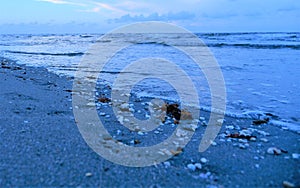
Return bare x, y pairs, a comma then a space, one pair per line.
41, 145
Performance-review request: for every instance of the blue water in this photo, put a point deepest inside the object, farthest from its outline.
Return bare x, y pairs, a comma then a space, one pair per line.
261, 70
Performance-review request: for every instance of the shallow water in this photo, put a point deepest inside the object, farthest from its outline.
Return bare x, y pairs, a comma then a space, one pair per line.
261, 70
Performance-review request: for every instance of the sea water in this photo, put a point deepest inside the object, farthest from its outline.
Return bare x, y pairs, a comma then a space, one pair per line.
261, 70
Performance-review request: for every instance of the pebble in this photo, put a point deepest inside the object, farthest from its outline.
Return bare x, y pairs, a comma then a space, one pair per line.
140, 133
264, 140
205, 176
198, 166
296, 155
167, 164
156, 132
243, 141
256, 165
202, 118
230, 127
263, 133
102, 114
253, 139
274, 151
203, 160
191, 167
288, 184
124, 106
242, 146
220, 121
88, 174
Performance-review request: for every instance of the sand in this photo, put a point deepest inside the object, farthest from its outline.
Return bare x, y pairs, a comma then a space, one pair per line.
42, 146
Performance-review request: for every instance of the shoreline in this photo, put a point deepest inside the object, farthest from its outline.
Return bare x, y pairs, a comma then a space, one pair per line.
41, 145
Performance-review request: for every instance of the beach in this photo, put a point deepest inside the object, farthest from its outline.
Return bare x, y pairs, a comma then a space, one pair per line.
42, 146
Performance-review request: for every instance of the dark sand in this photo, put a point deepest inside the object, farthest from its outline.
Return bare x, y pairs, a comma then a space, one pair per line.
40, 145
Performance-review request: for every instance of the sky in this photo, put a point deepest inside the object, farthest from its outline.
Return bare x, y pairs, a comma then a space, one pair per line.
99, 16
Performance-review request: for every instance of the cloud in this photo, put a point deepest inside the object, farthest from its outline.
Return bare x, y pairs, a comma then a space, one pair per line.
154, 17
63, 2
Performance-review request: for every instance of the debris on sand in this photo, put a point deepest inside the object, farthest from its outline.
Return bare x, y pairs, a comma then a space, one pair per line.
104, 100
186, 115
88, 174
241, 136
177, 152
259, 121
173, 111
136, 141
68, 90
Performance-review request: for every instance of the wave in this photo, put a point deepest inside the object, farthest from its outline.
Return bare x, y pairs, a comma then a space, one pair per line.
255, 46
46, 53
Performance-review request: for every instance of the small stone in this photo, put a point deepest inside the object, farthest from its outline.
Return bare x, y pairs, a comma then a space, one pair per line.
191, 167
88, 174
156, 132
295, 155
140, 133
264, 140
274, 151
202, 118
220, 121
203, 160
119, 132
256, 165
230, 127
124, 107
243, 140
287, 184
242, 146
198, 166
102, 114
167, 164
253, 139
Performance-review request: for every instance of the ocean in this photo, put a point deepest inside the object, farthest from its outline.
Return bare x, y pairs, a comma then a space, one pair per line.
261, 70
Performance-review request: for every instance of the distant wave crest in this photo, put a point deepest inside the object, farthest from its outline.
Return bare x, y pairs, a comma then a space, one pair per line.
256, 46
46, 53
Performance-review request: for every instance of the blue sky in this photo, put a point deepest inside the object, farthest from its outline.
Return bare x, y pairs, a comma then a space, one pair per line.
96, 16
